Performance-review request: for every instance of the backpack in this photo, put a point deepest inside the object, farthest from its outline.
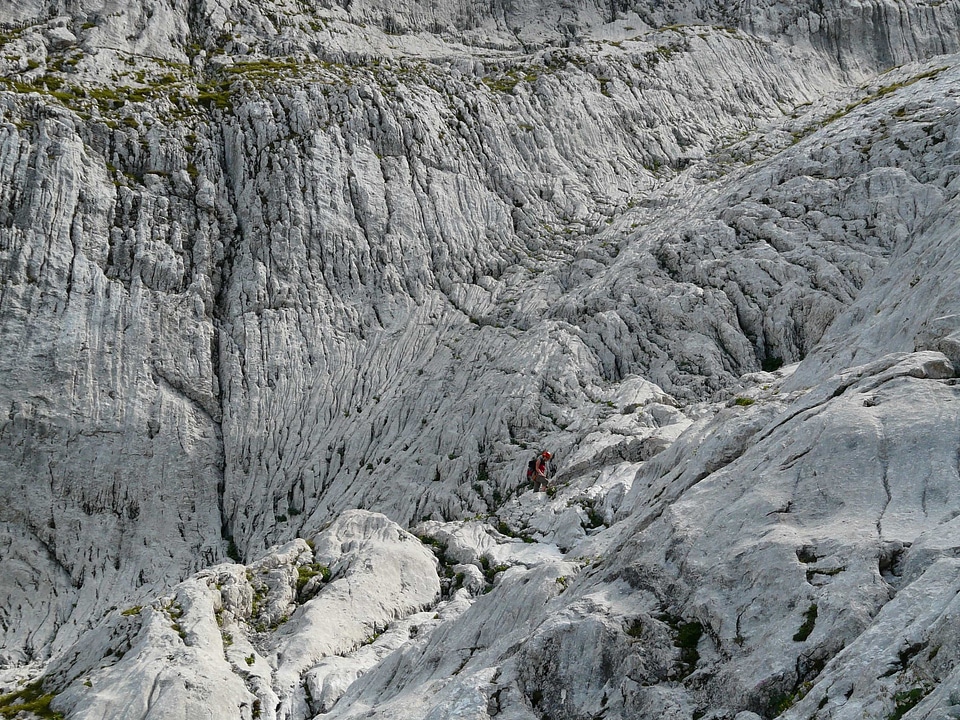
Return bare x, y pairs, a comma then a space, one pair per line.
532, 468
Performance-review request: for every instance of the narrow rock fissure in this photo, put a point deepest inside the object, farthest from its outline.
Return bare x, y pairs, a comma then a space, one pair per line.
883, 459
221, 328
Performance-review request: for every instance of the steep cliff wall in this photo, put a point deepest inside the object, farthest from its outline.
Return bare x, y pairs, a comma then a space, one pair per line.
264, 264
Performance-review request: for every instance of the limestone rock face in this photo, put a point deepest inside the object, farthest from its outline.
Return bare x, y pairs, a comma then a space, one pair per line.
278, 281
235, 641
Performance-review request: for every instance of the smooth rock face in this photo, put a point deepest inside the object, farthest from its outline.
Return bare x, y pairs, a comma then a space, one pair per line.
262, 266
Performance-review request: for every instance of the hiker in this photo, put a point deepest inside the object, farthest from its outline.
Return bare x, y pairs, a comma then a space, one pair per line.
537, 471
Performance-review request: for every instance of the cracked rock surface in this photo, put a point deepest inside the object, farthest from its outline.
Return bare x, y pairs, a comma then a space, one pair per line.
290, 294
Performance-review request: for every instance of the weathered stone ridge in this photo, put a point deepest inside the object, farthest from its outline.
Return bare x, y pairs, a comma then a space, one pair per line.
261, 266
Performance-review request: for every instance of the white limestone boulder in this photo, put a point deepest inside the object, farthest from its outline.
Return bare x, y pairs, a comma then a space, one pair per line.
244, 642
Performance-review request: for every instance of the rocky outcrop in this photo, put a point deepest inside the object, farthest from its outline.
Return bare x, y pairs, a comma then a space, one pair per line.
235, 641
787, 575
262, 266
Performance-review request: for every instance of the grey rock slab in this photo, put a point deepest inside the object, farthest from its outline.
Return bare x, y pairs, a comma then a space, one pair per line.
893, 666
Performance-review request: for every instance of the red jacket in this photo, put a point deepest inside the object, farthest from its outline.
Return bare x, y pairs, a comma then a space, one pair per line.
538, 468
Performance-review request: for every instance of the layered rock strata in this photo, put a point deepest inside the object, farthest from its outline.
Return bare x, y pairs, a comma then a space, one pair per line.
260, 266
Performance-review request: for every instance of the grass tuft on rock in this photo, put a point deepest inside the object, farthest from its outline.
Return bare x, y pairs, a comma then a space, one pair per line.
810, 619
906, 701
29, 699
309, 571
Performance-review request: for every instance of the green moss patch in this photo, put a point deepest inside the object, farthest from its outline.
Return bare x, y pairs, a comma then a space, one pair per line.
31, 698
